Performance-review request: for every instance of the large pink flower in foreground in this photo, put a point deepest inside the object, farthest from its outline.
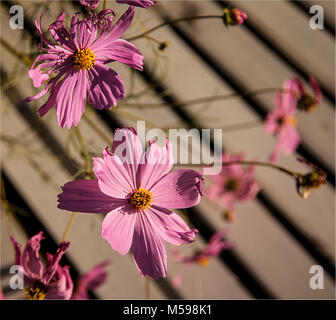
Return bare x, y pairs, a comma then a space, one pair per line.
281, 121
216, 245
138, 3
135, 188
75, 66
51, 281
234, 183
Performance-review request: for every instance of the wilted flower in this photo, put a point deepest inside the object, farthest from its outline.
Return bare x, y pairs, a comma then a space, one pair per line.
307, 101
305, 184
138, 3
216, 245
135, 188
75, 66
90, 281
233, 16
234, 183
51, 281
281, 120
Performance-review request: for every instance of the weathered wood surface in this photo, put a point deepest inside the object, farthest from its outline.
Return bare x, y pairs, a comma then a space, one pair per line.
266, 246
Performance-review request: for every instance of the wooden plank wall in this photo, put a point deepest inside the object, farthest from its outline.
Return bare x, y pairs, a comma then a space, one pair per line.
278, 236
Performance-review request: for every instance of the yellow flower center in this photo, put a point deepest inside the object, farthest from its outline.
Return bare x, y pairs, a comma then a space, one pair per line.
83, 59
203, 262
141, 199
35, 292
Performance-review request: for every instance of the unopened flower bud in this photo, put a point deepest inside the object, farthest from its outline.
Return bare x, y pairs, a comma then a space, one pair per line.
233, 16
307, 103
305, 184
163, 45
229, 215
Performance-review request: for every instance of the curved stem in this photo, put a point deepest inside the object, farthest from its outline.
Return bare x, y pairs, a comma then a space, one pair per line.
68, 227
205, 99
163, 24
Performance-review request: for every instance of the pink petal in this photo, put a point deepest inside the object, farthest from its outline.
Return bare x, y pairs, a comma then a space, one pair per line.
128, 147
179, 189
156, 162
17, 248
85, 196
149, 252
106, 87
316, 88
30, 258
170, 226
62, 286
113, 178
53, 261
90, 281
118, 228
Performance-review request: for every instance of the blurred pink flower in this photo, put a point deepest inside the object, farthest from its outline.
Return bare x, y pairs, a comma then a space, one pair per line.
90, 3
281, 120
307, 101
234, 183
138, 3
90, 281
44, 282
234, 16
135, 188
216, 245
75, 66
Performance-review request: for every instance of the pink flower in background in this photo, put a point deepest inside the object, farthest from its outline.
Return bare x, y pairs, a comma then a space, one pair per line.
307, 101
216, 245
138, 3
135, 188
90, 281
281, 121
51, 281
90, 3
75, 66
234, 183
234, 17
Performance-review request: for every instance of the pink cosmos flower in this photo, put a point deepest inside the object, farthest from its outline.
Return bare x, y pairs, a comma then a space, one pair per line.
234, 183
135, 188
307, 101
90, 281
234, 16
75, 66
90, 3
216, 245
138, 3
281, 120
51, 281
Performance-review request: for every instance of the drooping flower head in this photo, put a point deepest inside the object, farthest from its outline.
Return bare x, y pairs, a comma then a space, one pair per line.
281, 121
233, 17
135, 188
307, 101
90, 281
51, 281
74, 66
314, 179
234, 183
138, 3
216, 245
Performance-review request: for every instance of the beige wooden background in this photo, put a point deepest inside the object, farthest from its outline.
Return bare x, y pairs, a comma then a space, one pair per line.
266, 246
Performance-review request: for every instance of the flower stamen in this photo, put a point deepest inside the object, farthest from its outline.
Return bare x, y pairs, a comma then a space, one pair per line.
35, 292
141, 199
84, 59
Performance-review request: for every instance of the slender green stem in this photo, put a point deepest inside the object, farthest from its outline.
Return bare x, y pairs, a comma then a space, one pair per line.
24, 57
254, 163
163, 24
206, 99
104, 5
